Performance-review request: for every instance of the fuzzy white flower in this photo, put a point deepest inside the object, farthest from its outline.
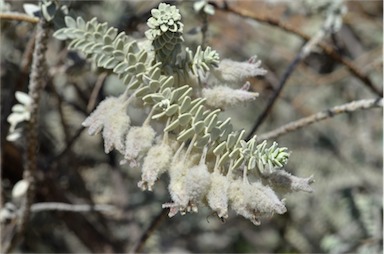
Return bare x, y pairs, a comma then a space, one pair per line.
224, 96
233, 72
177, 189
254, 201
138, 141
217, 196
155, 163
20, 113
198, 181
111, 117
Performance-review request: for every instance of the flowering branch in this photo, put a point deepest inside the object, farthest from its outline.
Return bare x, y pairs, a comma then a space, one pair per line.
207, 161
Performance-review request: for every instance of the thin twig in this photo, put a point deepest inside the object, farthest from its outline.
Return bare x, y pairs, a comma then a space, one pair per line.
56, 206
204, 30
304, 52
27, 55
156, 222
324, 46
36, 84
275, 95
95, 92
18, 17
62, 115
345, 108
69, 145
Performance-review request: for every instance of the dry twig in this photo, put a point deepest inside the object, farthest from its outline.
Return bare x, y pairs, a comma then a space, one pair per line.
275, 95
345, 108
18, 17
95, 92
56, 206
156, 222
354, 70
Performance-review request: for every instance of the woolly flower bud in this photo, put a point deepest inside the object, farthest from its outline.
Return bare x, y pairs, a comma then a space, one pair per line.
188, 186
218, 194
285, 182
111, 117
138, 141
198, 181
253, 201
155, 164
224, 97
230, 71
177, 190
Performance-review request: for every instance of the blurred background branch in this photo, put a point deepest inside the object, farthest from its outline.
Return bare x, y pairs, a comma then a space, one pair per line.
301, 123
18, 17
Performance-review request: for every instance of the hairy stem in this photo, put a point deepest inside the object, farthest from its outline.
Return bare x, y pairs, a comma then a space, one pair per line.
36, 84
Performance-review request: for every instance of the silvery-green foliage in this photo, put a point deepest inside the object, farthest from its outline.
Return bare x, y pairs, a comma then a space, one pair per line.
207, 161
202, 6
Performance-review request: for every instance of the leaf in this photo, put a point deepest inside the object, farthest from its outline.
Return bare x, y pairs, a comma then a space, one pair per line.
70, 22
80, 23
31, 9
61, 34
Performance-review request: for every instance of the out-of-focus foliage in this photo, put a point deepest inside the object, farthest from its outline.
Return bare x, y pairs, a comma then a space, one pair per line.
344, 153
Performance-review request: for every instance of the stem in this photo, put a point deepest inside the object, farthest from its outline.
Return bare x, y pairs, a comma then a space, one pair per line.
149, 117
217, 163
95, 92
298, 124
68, 146
204, 31
57, 206
36, 84
18, 17
156, 222
189, 149
245, 179
165, 135
276, 94
354, 70
203, 155
303, 53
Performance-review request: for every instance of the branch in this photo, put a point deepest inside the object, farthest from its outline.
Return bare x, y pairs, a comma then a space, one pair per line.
57, 206
36, 85
68, 145
291, 67
95, 92
156, 222
325, 47
305, 50
345, 108
18, 17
